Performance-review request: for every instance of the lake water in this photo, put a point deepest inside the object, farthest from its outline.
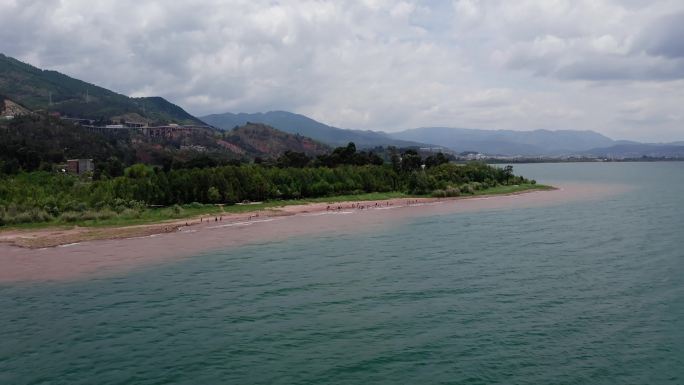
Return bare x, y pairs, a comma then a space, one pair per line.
585, 292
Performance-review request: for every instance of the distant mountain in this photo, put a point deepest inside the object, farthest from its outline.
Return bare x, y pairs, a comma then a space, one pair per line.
52, 91
256, 139
508, 142
638, 150
300, 124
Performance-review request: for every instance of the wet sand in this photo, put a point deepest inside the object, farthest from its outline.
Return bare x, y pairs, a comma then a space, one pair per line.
132, 247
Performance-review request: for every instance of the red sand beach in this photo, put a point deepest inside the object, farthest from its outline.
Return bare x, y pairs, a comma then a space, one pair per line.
144, 245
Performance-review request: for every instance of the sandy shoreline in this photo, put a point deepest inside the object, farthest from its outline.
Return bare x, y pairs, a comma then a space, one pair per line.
53, 237
72, 254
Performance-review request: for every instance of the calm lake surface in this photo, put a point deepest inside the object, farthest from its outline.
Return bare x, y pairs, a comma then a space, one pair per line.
584, 292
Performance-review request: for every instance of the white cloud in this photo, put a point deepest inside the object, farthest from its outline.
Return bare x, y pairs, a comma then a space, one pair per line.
377, 64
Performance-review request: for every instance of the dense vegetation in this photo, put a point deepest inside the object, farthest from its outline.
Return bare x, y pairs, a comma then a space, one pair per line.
47, 196
31, 143
38, 142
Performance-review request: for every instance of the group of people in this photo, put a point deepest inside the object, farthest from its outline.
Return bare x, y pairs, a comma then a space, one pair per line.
359, 206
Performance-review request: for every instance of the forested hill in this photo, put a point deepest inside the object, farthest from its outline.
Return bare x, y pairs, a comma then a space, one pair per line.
52, 91
36, 141
265, 141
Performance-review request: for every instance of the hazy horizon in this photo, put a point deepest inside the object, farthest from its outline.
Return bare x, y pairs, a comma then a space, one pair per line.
613, 67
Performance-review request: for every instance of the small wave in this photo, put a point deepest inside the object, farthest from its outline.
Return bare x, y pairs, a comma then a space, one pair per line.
317, 214
70, 244
328, 213
146, 236
246, 223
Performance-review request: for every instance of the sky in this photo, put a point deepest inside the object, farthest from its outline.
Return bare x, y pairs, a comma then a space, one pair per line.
615, 67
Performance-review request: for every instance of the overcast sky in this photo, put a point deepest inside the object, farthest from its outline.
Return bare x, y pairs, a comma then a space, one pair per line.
616, 67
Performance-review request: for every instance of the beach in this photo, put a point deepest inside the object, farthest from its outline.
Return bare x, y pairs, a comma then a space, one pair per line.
64, 254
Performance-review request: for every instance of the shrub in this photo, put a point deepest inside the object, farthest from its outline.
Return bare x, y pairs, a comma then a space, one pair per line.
130, 213
177, 209
452, 191
439, 193
467, 188
89, 215
24, 217
70, 216
52, 210
106, 214
31, 216
12, 210
118, 202
38, 215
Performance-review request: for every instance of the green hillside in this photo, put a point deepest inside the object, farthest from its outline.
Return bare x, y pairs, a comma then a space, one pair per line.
51, 91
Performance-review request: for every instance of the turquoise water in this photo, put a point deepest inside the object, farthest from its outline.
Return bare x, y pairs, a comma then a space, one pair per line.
588, 292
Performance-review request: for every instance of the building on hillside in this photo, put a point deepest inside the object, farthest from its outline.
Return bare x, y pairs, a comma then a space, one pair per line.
80, 166
169, 131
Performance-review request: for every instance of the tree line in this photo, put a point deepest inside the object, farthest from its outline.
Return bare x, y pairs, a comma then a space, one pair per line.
42, 196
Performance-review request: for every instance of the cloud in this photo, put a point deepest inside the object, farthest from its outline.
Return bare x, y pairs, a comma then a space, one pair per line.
663, 37
636, 43
373, 64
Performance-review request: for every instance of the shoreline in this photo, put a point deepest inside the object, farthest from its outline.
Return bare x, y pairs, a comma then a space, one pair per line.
50, 237
77, 256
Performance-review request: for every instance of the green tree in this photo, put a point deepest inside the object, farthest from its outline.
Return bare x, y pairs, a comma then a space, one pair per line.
411, 161
213, 194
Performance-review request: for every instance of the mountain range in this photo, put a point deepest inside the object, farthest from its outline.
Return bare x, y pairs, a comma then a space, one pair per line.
509, 142
490, 142
638, 150
302, 125
27, 88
